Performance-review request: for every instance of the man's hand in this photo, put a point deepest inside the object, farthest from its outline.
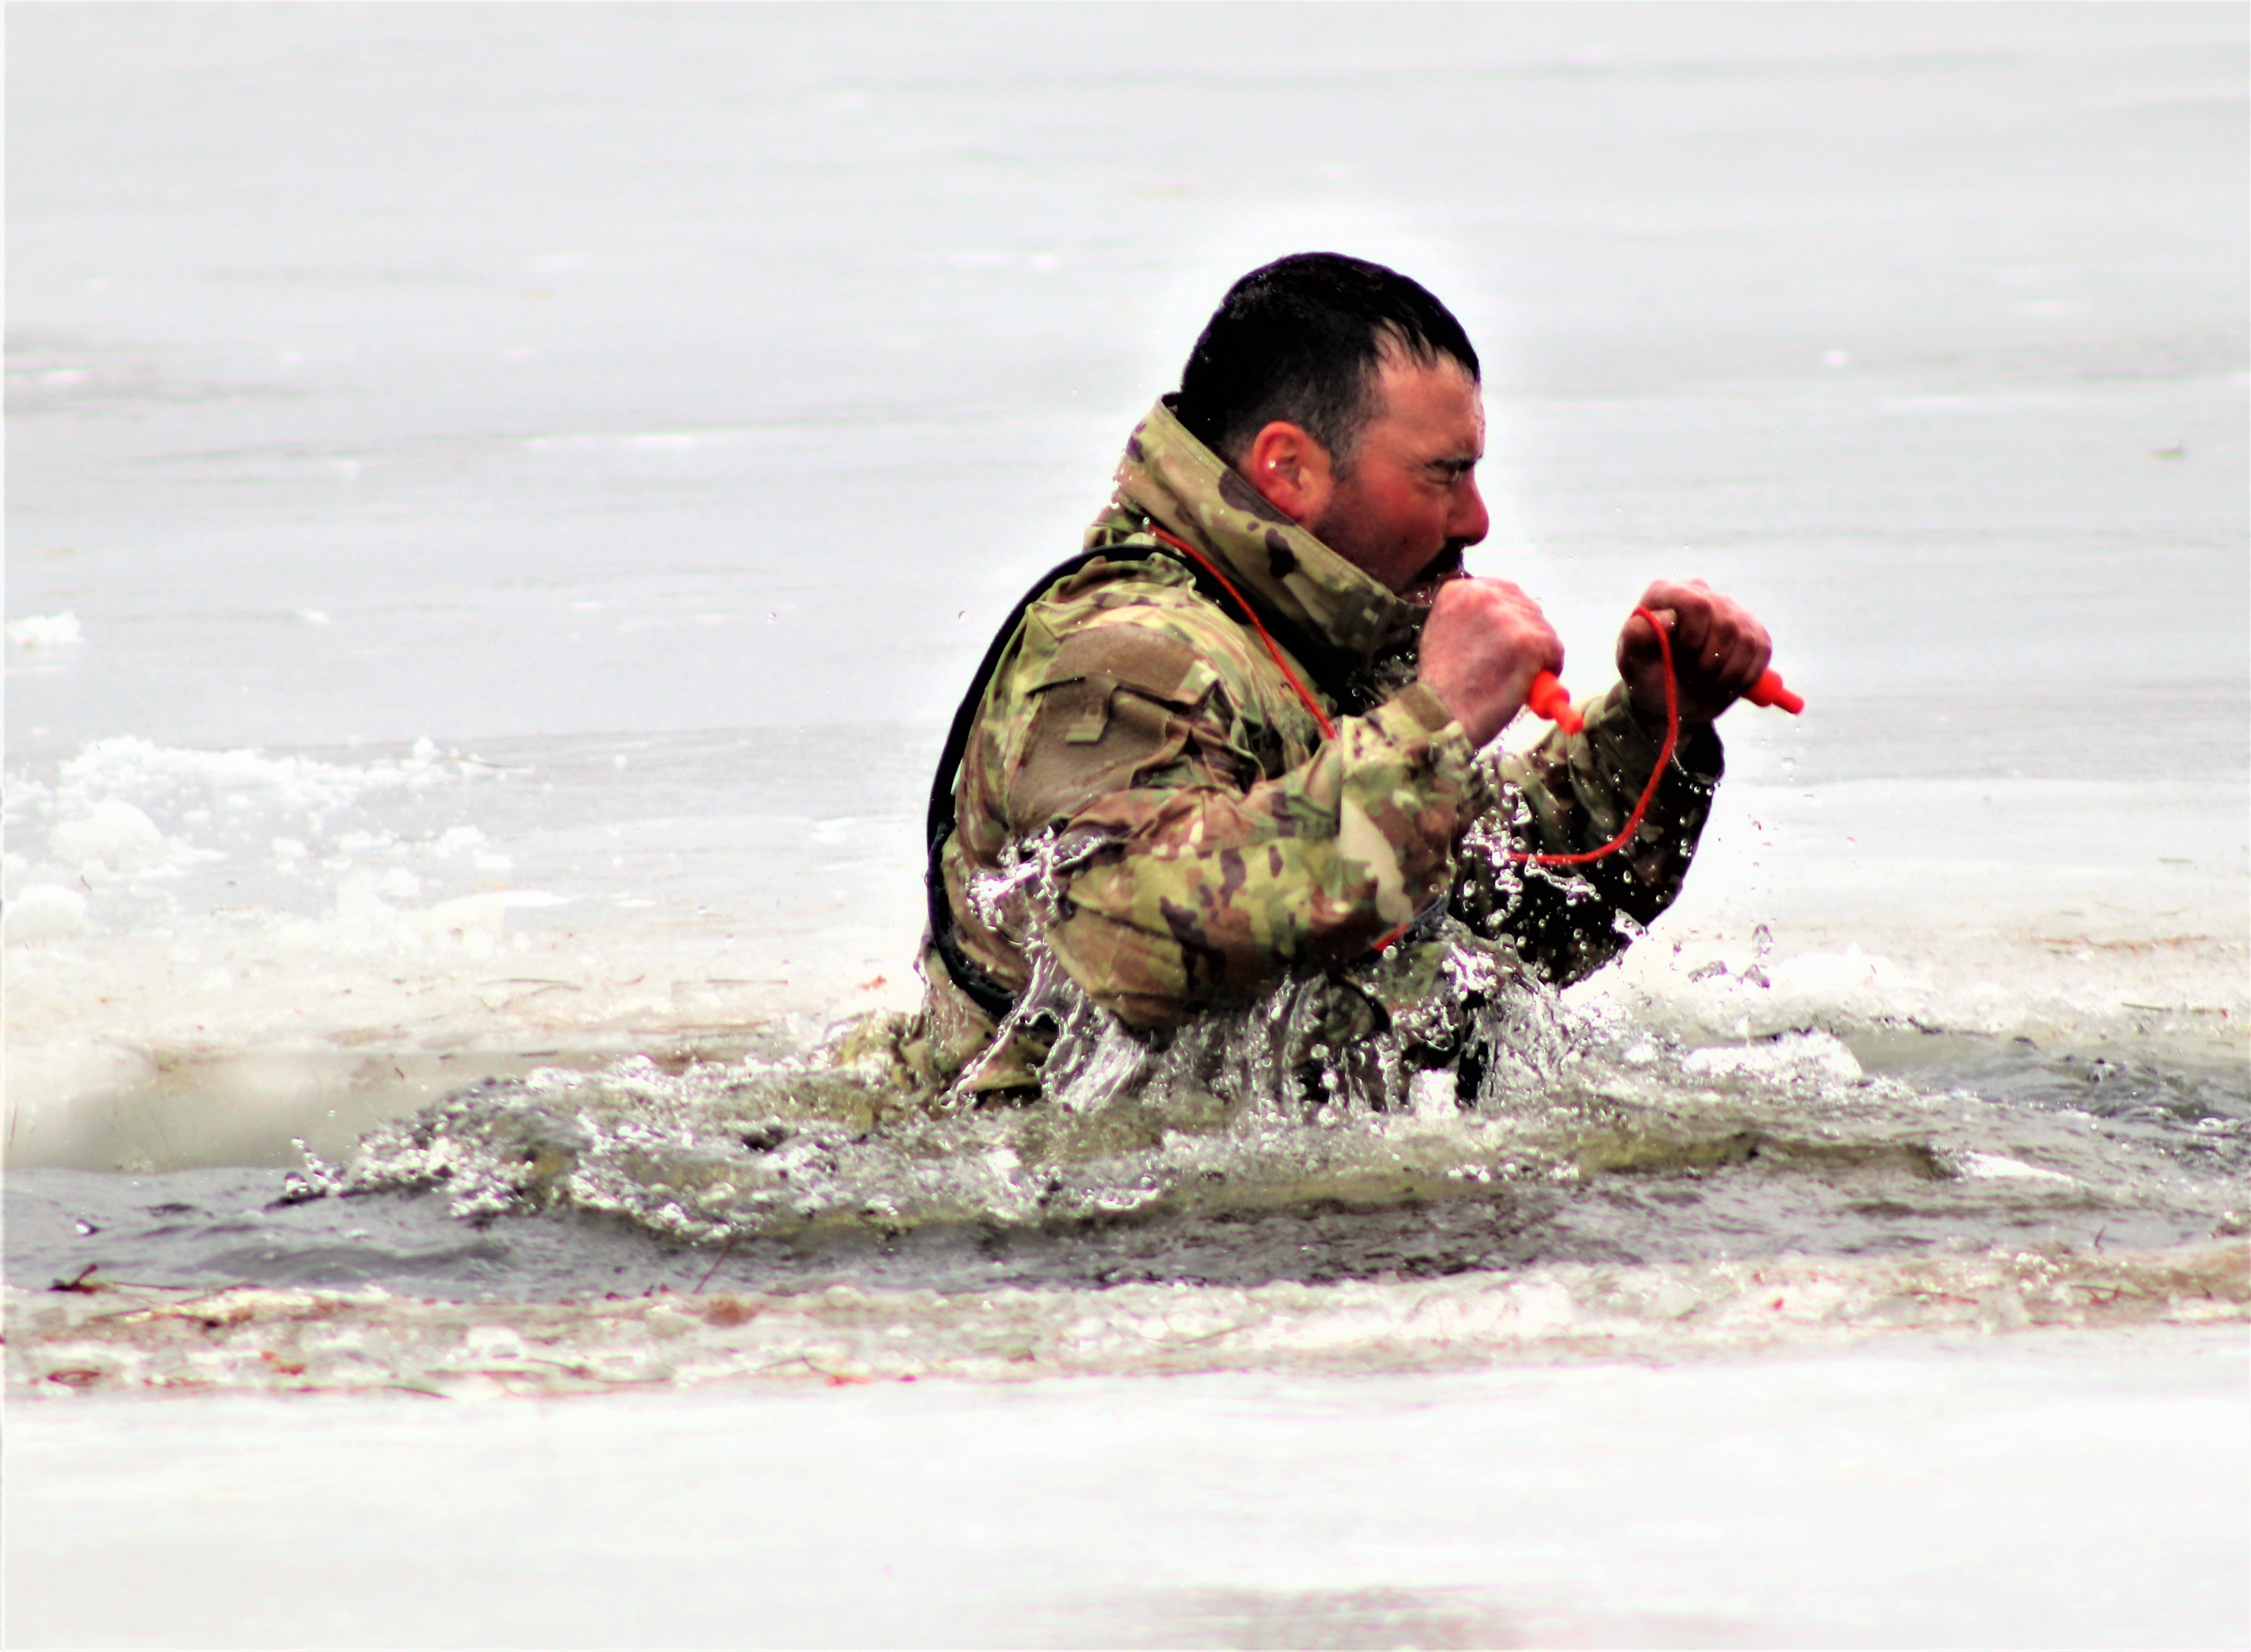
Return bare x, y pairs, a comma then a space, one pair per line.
1718, 650
1482, 645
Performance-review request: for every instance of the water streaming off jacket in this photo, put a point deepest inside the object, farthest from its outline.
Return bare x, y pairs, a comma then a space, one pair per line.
496, 525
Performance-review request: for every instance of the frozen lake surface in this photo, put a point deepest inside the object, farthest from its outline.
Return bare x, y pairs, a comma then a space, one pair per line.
501, 504
2045, 1493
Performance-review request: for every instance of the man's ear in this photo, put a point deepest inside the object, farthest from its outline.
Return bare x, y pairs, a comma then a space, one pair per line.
1290, 470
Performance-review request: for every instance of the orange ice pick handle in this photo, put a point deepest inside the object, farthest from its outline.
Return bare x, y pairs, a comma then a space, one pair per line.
1769, 690
1552, 700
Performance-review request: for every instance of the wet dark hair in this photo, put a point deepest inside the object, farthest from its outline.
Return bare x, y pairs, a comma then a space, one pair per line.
1302, 339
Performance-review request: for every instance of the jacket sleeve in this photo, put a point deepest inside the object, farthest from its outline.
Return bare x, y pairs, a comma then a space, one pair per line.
1207, 881
1573, 792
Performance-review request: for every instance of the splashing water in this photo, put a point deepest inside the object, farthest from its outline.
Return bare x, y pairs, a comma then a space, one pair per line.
1584, 1136
1434, 1111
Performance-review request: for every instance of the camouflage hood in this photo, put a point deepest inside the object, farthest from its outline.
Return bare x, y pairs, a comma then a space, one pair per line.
1170, 478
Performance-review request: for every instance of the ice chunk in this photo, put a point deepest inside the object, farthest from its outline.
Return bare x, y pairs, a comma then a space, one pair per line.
44, 911
475, 921
115, 833
1999, 1166
1796, 1055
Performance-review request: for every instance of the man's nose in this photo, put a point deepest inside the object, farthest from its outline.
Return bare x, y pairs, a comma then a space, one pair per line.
1470, 521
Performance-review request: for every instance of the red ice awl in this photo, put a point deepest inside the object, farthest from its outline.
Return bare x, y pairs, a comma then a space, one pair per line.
1550, 699
1769, 690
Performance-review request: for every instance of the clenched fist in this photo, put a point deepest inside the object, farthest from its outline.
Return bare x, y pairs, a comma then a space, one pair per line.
1482, 645
1719, 649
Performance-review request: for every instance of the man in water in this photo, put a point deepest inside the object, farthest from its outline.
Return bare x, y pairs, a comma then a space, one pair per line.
1240, 743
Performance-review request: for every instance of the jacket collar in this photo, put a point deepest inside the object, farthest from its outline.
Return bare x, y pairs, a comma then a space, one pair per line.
1173, 479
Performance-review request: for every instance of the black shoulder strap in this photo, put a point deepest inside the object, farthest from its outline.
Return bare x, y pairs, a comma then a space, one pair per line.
987, 993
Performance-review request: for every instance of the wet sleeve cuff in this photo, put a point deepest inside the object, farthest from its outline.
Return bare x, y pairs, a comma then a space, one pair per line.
1631, 742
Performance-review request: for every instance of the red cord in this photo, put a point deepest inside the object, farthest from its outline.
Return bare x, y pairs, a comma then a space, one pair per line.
1656, 774
1328, 729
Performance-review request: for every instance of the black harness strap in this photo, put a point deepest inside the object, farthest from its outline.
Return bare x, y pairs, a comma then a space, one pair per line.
987, 993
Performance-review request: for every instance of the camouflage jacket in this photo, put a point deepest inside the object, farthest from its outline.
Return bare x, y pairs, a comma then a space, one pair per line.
1220, 842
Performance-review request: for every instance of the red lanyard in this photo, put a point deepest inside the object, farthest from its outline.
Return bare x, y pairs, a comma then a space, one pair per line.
1328, 728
